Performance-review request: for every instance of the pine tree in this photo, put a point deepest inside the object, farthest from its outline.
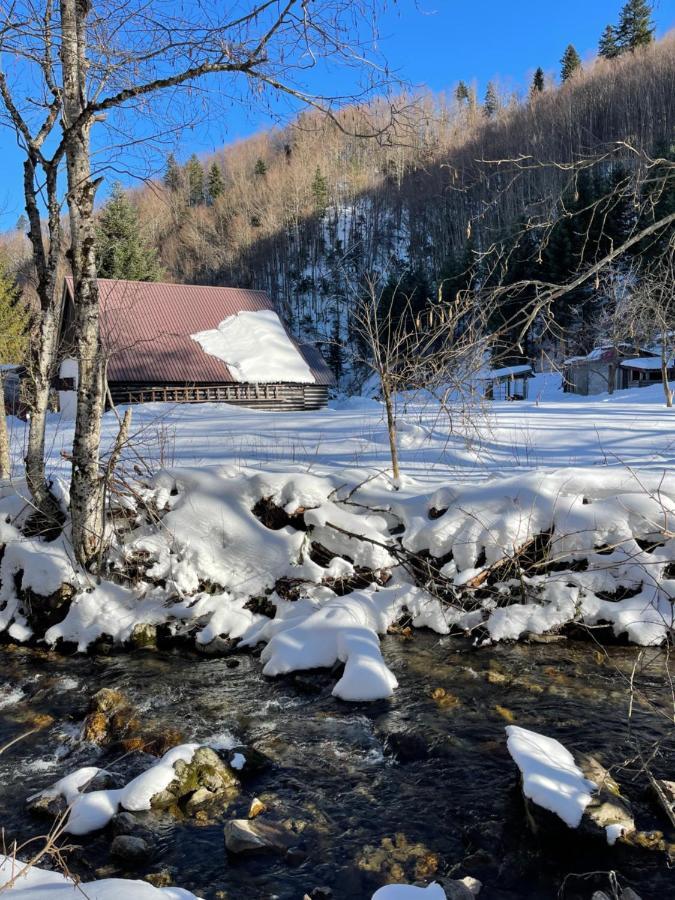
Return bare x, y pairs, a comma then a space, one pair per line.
173, 177
570, 62
215, 183
320, 192
491, 102
260, 167
121, 251
22, 223
194, 176
537, 82
636, 28
461, 93
335, 349
607, 46
14, 323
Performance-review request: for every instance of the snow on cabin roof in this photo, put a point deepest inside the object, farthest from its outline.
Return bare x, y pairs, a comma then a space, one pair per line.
146, 329
647, 362
238, 340
505, 372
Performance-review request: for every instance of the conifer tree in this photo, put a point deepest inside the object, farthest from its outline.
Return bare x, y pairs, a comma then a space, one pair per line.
607, 46
491, 102
194, 175
173, 178
260, 167
215, 182
320, 192
14, 322
636, 28
335, 350
537, 82
461, 93
570, 62
121, 251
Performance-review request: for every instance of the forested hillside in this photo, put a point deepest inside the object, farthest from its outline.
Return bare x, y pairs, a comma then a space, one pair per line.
455, 190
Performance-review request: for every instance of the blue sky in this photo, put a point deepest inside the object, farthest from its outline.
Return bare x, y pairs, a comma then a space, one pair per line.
426, 42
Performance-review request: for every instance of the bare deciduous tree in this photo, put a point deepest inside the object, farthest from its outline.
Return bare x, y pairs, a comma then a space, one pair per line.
413, 344
78, 66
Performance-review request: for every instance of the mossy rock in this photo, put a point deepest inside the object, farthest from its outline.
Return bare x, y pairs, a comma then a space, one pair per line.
206, 772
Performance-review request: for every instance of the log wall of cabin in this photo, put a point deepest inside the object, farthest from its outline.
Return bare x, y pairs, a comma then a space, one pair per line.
281, 396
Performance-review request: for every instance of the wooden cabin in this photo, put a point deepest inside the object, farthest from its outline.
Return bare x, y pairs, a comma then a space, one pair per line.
613, 367
149, 334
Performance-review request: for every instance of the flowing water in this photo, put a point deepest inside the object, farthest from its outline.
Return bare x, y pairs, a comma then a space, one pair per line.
451, 805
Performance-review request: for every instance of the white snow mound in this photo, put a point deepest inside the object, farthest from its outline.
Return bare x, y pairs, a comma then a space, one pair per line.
551, 778
256, 348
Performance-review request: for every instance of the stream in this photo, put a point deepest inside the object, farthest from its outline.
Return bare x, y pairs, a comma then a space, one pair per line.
450, 803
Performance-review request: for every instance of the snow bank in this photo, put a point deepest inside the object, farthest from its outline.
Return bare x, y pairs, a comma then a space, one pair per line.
551, 778
256, 348
319, 567
40, 884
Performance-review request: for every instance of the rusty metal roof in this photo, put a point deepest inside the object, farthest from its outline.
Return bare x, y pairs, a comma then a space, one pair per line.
146, 328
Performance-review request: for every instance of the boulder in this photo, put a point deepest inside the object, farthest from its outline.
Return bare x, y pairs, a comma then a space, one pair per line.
206, 776
244, 836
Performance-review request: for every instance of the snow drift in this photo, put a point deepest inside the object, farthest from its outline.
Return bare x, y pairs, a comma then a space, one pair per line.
317, 567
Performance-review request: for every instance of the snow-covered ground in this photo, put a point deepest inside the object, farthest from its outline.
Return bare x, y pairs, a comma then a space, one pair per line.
550, 430
584, 484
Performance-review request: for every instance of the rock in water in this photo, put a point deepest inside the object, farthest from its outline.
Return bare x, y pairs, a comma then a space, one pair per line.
144, 637
608, 814
205, 778
244, 836
256, 808
131, 849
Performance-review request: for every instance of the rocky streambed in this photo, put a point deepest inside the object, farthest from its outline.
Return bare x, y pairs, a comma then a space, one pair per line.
347, 797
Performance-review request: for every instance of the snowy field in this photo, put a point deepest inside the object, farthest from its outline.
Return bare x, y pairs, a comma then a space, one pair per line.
550, 430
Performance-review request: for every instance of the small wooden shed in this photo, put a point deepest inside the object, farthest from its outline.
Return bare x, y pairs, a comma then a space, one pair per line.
506, 383
149, 334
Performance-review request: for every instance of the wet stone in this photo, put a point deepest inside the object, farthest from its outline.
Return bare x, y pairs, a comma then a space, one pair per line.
131, 849
407, 746
243, 836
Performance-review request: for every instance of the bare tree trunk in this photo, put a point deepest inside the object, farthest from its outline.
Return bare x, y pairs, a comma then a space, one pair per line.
664, 377
87, 487
48, 517
391, 430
